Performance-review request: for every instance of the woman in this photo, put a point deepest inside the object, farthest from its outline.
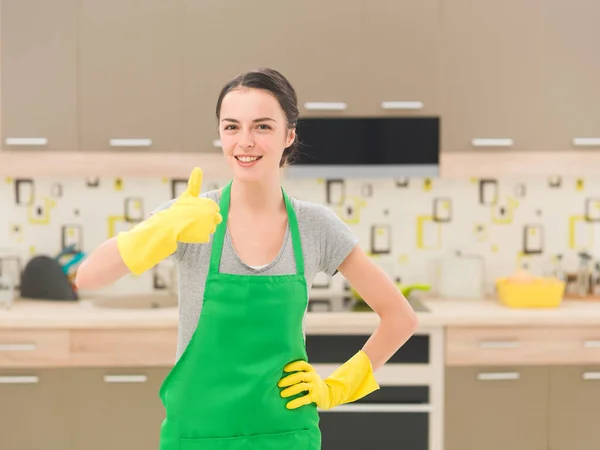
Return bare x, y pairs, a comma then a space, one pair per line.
247, 255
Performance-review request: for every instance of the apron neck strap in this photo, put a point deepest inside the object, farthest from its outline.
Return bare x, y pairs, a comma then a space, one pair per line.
219, 235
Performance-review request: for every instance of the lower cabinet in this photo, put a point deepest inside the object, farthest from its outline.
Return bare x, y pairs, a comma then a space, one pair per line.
491, 408
495, 408
522, 408
574, 408
34, 410
81, 409
116, 409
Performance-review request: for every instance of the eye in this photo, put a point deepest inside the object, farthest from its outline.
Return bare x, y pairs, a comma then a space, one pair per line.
264, 126
229, 127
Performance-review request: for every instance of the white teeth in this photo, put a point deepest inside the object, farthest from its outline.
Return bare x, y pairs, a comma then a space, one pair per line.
247, 158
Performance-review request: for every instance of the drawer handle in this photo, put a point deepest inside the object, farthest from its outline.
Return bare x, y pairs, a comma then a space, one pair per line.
496, 376
125, 378
26, 141
217, 143
482, 142
591, 344
387, 408
326, 106
130, 142
591, 375
17, 347
402, 105
583, 142
499, 344
18, 380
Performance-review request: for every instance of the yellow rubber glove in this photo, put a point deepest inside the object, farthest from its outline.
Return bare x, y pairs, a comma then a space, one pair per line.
189, 219
351, 381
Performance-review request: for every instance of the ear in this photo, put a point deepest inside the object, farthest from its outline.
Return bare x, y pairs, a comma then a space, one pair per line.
290, 137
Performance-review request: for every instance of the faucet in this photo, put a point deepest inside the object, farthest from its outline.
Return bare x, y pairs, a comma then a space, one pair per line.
7, 292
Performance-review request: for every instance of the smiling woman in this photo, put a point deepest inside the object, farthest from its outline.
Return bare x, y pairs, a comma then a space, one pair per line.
258, 143
247, 255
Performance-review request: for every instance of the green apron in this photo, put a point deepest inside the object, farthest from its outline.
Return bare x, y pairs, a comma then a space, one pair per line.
222, 393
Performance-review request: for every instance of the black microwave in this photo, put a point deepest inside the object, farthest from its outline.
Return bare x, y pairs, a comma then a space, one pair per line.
370, 147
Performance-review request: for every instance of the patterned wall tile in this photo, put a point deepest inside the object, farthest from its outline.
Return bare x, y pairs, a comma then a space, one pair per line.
406, 225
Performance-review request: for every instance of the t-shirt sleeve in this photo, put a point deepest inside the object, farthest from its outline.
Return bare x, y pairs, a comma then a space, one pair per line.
337, 240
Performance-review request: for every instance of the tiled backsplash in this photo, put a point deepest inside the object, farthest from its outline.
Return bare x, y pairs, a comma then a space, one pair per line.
407, 225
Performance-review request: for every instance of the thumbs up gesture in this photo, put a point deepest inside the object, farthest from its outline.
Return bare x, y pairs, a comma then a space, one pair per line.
190, 219
196, 217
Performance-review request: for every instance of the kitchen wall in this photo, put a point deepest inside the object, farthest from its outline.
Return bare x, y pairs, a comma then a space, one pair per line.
407, 225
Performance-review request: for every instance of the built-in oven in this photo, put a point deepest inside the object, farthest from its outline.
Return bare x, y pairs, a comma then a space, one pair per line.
405, 413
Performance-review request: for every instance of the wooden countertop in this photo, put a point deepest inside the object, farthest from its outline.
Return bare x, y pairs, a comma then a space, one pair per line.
27, 314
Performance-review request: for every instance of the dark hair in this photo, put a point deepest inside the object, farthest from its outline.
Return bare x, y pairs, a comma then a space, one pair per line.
272, 81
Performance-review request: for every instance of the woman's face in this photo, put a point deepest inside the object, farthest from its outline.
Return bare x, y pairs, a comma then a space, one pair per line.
254, 133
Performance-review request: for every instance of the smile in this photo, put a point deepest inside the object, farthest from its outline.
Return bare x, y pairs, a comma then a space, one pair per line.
248, 159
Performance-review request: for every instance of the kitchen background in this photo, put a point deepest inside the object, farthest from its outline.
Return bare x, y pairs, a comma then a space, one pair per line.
466, 126
408, 225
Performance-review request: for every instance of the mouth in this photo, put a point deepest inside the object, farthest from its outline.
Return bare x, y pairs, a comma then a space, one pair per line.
246, 160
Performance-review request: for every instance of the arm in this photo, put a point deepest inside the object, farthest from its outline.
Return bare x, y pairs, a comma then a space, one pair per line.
398, 320
102, 267
354, 379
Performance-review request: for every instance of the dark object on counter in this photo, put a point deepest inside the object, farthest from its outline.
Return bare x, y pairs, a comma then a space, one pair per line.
43, 278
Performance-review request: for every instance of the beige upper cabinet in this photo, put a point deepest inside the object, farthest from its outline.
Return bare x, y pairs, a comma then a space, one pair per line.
401, 58
322, 48
571, 67
39, 75
491, 69
130, 66
213, 54
315, 45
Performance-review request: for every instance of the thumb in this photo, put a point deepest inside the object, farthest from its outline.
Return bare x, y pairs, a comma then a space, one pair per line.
194, 182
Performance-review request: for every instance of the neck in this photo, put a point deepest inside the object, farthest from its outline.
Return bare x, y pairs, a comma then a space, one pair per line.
260, 197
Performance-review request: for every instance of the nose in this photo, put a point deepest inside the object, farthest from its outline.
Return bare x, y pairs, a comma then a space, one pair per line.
246, 140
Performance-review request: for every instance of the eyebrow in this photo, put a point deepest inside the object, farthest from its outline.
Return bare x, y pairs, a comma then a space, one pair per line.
262, 119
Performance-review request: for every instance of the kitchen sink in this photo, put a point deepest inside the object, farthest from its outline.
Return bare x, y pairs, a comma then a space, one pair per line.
417, 305
342, 304
143, 301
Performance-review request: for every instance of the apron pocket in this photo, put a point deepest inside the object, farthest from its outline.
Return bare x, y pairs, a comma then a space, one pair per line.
289, 440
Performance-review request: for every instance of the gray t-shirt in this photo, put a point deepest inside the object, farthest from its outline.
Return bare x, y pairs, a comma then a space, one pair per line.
326, 241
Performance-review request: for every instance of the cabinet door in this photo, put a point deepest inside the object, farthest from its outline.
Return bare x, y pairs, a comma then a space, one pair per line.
316, 46
571, 65
117, 408
34, 410
496, 409
130, 75
491, 75
401, 53
574, 408
323, 56
39, 74
213, 55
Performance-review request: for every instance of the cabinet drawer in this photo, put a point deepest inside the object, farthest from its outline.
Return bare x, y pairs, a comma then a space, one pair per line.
118, 348
30, 348
494, 346
579, 345
513, 345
